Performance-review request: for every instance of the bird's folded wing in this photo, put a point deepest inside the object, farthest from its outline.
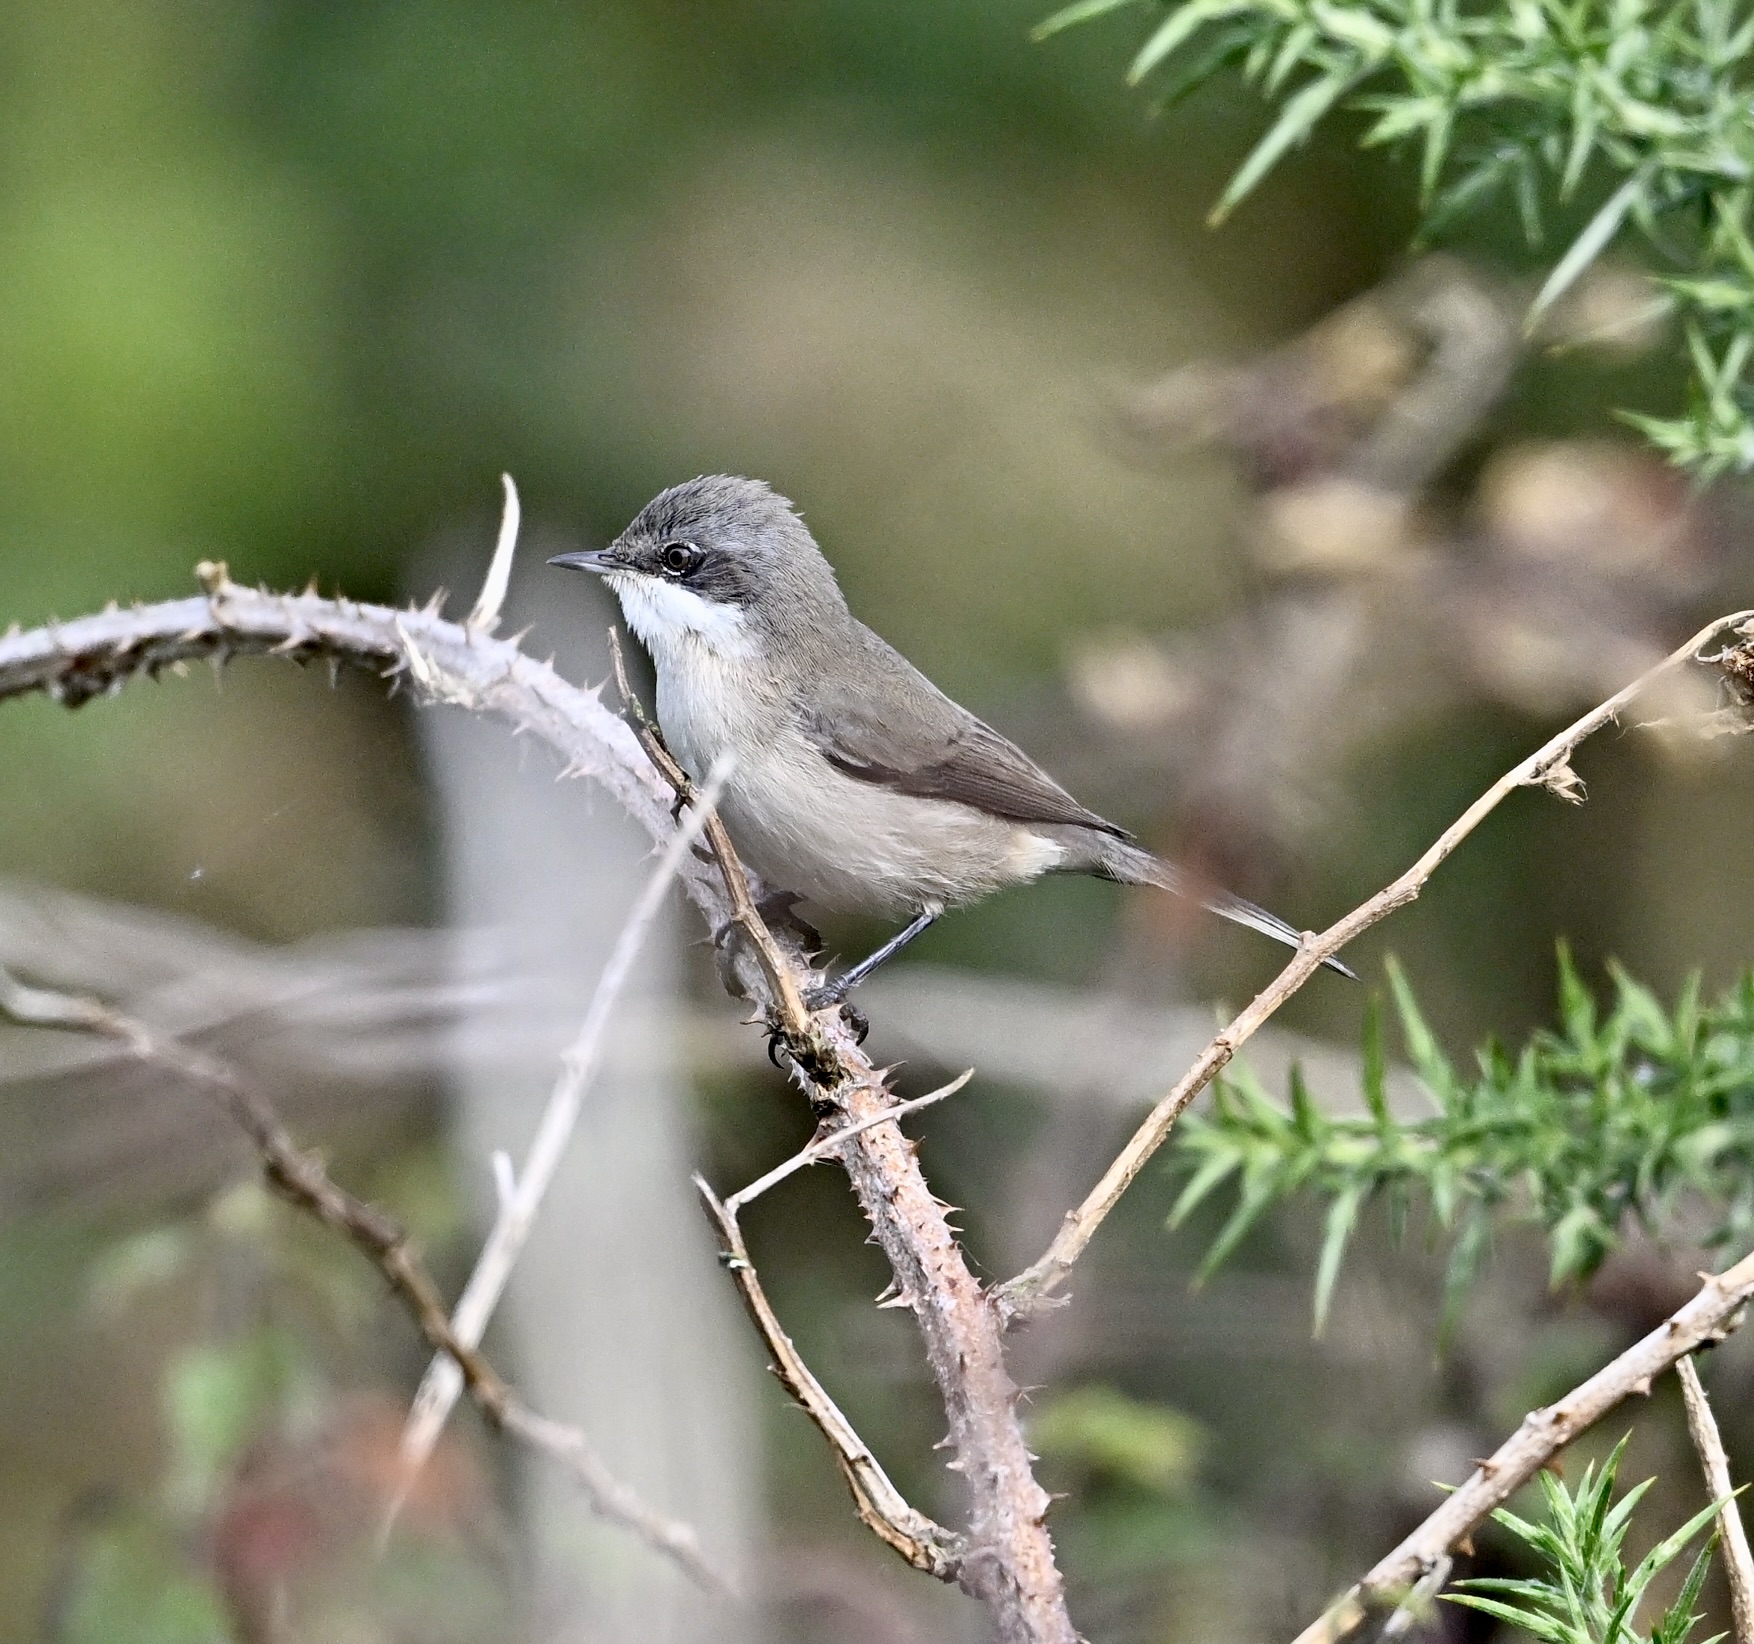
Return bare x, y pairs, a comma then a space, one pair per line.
941, 751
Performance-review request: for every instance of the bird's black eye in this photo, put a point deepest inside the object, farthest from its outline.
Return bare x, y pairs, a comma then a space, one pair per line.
679, 558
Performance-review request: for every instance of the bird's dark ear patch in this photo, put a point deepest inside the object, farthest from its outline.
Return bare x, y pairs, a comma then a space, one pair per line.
723, 578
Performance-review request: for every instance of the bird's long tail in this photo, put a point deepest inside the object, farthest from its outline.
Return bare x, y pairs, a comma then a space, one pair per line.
1129, 865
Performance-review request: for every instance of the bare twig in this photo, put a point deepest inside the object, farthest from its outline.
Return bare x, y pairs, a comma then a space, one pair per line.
529, 1186
825, 1147
302, 1178
609, 1497
1010, 1564
1708, 1317
1738, 1561
1547, 766
788, 999
923, 1543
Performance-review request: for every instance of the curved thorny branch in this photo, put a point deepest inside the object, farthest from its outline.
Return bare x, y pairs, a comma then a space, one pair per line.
1006, 1557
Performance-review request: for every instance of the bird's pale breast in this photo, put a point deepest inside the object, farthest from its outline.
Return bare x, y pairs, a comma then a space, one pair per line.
806, 827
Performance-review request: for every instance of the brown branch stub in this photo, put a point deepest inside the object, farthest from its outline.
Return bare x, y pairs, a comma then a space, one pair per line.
1708, 1317
1018, 1297
923, 1543
825, 1146
1715, 1463
301, 1178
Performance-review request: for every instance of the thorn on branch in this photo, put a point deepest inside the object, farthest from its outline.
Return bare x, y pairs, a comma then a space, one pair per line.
485, 617
1560, 780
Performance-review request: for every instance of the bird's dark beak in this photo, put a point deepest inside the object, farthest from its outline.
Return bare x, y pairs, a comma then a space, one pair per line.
590, 559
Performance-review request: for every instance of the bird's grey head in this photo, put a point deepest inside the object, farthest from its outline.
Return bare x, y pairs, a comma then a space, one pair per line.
719, 561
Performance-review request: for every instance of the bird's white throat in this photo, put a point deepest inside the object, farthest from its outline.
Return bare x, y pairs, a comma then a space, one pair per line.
666, 617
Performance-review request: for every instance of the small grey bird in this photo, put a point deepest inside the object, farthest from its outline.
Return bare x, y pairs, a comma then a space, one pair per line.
854, 780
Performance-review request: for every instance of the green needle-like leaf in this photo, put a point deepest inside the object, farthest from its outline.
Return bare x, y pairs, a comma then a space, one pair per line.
1588, 246
1181, 25
1296, 121
1630, 1109
1081, 12
1530, 99
1341, 1220
1375, 1069
1585, 1594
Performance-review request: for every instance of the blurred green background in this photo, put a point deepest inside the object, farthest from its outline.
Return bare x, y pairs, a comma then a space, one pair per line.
289, 285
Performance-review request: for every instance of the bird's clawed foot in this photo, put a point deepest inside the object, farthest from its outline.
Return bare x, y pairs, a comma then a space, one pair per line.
778, 1042
830, 994
826, 994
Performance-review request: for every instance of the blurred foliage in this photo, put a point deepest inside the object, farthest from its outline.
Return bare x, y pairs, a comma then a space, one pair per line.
1588, 1596
1099, 1432
1620, 1114
1134, 1526
132, 1582
1540, 100
275, 1464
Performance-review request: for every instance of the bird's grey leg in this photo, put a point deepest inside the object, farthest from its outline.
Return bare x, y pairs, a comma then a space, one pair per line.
835, 992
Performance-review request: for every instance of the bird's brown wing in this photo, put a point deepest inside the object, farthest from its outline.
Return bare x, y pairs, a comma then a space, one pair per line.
913, 739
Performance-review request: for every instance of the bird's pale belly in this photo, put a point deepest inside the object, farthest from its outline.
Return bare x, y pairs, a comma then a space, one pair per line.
854, 846
844, 844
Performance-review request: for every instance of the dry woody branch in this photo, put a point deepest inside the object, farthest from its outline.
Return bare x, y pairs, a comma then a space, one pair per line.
1738, 1560
1547, 767
1708, 1318
1009, 1564
524, 1192
881, 1507
301, 1178
1005, 1555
